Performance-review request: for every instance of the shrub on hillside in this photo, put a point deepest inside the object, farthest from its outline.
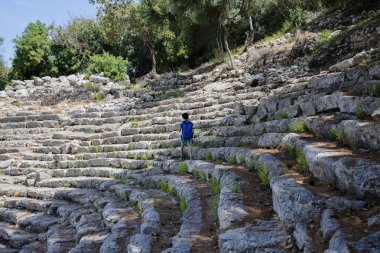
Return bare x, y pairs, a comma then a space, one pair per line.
114, 67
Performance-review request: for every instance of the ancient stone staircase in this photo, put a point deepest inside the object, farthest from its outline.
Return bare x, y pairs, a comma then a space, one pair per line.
282, 163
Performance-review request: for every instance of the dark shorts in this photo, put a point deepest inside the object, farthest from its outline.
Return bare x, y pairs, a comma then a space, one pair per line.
186, 142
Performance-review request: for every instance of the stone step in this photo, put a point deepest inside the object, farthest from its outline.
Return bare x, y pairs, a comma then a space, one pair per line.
192, 216
37, 117
14, 236
103, 162
74, 182
31, 124
362, 134
32, 205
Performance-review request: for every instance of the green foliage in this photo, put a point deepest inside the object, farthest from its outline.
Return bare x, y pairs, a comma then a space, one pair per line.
114, 67
263, 174
163, 185
376, 89
172, 191
203, 176
241, 159
282, 115
301, 160
4, 78
182, 204
215, 186
338, 135
98, 96
323, 37
235, 188
155, 204
33, 53
73, 45
208, 155
249, 121
231, 159
134, 125
172, 94
359, 113
297, 18
297, 126
182, 168
196, 174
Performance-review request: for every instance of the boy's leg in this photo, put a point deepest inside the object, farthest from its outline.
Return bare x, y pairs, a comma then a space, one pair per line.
181, 151
191, 148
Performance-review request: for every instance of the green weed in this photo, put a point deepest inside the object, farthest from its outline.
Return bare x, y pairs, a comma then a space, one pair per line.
241, 159
182, 204
282, 115
208, 155
359, 113
297, 126
182, 168
215, 207
235, 188
376, 89
231, 159
301, 160
263, 175
215, 186
338, 135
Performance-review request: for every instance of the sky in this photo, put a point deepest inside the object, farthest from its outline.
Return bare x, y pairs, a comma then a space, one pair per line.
16, 14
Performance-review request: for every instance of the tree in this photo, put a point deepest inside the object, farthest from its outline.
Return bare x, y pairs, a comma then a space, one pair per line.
33, 54
3, 69
73, 45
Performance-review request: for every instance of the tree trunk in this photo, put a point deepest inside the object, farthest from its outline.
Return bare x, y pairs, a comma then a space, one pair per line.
249, 40
225, 42
154, 63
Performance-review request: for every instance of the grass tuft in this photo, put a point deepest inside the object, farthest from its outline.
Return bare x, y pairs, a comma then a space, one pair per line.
301, 160
359, 113
208, 155
297, 126
183, 168
215, 186
263, 174
338, 135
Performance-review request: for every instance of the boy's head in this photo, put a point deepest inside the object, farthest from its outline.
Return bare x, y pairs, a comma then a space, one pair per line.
185, 116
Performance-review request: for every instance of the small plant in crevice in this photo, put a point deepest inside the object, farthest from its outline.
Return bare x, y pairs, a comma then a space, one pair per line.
215, 186
163, 185
196, 174
248, 121
263, 174
140, 208
297, 126
241, 159
134, 125
182, 168
215, 207
203, 176
301, 160
359, 113
338, 135
286, 169
155, 204
376, 89
231, 159
251, 166
122, 181
97, 96
182, 204
235, 188
282, 115
208, 155
172, 191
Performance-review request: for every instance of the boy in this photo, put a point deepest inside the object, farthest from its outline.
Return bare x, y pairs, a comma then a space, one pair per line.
187, 134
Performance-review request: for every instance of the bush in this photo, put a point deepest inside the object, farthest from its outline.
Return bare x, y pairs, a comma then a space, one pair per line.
297, 126
297, 18
98, 96
114, 67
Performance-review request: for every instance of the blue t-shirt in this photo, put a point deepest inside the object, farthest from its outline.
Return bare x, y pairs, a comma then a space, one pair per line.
187, 129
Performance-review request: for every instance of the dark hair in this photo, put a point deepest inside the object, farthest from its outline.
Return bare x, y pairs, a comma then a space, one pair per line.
185, 116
